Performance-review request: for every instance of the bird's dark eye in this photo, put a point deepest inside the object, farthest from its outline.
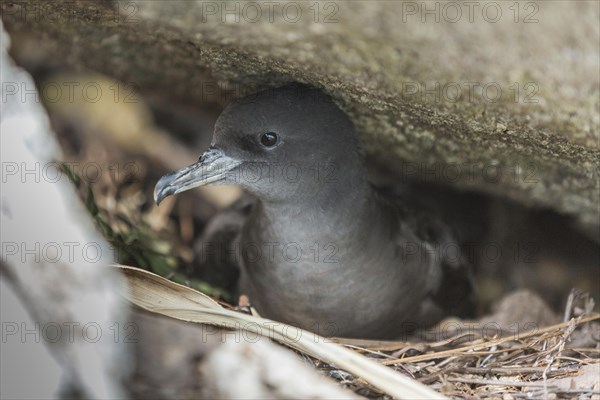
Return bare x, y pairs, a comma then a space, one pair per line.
269, 139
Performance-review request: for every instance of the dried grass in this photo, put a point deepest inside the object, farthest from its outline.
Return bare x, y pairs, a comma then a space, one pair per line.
521, 365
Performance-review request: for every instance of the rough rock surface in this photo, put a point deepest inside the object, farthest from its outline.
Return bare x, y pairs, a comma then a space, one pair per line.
536, 143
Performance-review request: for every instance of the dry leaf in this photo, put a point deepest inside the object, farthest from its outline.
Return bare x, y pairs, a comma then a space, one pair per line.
162, 296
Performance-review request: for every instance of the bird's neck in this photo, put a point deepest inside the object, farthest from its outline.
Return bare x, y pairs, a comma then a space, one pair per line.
347, 206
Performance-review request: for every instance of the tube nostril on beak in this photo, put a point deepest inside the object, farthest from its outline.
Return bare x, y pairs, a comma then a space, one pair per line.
208, 154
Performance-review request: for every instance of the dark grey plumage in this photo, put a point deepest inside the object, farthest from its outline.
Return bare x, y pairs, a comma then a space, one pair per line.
321, 248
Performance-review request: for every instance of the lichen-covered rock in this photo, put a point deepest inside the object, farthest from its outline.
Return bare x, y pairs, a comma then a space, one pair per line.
500, 97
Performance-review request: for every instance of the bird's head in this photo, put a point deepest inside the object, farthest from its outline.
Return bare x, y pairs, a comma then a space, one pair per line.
281, 144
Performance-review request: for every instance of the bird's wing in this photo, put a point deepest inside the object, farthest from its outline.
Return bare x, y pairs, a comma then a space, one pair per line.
454, 294
452, 288
216, 252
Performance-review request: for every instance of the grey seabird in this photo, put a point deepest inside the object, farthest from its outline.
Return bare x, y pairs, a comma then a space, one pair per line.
320, 247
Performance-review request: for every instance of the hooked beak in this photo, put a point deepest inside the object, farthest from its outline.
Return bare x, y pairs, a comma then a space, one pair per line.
212, 167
